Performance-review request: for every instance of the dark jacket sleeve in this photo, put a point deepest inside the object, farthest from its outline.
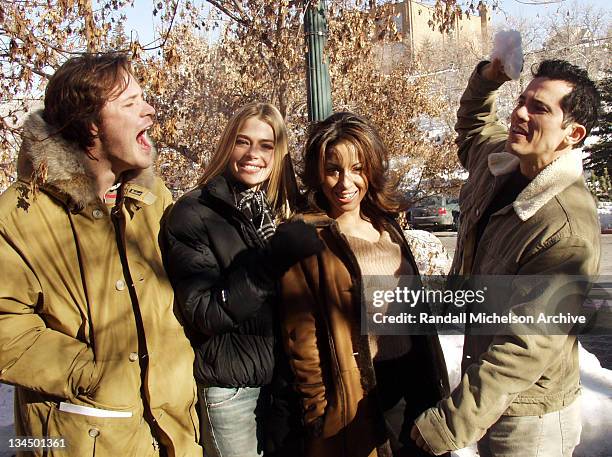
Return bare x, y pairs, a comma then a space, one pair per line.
213, 299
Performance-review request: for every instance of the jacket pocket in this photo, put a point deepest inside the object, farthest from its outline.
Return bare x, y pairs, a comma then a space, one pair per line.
99, 436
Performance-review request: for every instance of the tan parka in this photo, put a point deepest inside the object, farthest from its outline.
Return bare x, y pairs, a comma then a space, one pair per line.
550, 232
73, 330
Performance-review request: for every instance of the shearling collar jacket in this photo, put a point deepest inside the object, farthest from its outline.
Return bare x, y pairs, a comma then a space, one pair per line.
551, 230
322, 300
554, 206
553, 180
88, 333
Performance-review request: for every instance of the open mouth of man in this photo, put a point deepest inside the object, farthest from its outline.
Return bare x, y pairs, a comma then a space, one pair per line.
143, 140
519, 131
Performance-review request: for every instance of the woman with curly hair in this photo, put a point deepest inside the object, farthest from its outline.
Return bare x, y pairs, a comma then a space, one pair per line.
360, 393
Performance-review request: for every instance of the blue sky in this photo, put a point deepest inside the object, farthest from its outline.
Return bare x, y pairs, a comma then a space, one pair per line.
526, 8
142, 21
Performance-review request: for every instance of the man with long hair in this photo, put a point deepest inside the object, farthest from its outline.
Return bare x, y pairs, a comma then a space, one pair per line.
87, 327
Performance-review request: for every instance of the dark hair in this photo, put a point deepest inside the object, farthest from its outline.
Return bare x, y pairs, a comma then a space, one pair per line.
78, 91
581, 105
381, 198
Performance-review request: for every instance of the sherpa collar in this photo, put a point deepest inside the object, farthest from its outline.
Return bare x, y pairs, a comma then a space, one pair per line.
551, 181
48, 161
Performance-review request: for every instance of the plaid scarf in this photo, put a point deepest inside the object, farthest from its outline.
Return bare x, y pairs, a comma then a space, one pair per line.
254, 205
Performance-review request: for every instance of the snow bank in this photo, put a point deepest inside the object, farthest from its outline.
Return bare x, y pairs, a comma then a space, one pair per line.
429, 252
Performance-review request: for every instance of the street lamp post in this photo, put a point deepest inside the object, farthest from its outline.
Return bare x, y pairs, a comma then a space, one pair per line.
318, 85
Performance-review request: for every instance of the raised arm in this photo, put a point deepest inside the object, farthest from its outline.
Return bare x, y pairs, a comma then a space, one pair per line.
477, 121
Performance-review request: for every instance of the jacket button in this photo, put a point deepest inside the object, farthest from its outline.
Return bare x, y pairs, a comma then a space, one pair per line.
133, 357
120, 284
93, 432
98, 214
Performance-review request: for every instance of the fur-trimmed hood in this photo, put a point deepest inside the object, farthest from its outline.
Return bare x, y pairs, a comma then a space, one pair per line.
551, 181
48, 161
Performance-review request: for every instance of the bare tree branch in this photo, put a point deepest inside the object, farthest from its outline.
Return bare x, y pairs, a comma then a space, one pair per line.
239, 19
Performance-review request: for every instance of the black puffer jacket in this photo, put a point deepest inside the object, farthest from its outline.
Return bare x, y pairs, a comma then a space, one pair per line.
228, 308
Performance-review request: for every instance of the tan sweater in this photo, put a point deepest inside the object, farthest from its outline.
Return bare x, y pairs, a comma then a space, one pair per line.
383, 259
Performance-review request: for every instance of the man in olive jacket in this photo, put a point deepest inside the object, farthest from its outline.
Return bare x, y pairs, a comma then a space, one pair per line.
88, 334
525, 210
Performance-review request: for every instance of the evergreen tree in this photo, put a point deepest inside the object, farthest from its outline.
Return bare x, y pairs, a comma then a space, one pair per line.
600, 160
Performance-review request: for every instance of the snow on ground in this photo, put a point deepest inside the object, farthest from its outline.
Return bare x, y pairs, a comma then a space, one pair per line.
6, 419
596, 406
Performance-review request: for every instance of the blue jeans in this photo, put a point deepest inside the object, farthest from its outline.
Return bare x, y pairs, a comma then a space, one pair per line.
230, 421
550, 435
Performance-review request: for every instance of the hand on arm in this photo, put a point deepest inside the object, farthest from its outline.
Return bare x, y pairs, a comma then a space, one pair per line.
215, 298
292, 242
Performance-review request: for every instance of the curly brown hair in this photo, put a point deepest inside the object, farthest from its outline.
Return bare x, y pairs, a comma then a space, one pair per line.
79, 89
381, 199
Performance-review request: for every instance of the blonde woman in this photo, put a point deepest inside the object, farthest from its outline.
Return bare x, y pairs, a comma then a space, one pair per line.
224, 257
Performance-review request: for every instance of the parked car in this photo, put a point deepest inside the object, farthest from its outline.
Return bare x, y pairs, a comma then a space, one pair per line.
435, 212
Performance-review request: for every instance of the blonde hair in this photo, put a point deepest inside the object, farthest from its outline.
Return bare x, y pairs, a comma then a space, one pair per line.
276, 184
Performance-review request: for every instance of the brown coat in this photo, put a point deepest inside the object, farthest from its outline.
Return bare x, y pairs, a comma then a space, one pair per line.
322, 301
68, 329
